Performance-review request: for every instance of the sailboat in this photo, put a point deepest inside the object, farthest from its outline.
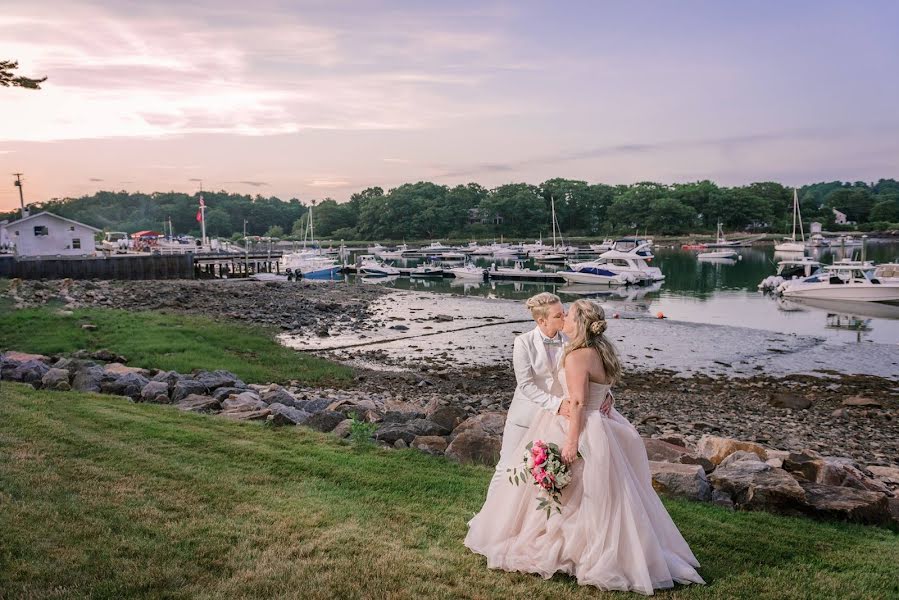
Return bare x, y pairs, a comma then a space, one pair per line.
311, 263
554, 255
790, 244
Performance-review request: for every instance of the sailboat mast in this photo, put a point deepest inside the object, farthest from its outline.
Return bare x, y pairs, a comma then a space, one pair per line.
552, 200
798, 214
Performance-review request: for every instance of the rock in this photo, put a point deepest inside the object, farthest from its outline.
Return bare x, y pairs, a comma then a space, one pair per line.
185, 387
776, 458
886, 474
846, 504
395, 416
702, 461
400, 444
169, 377
240, 414
155, 391
739, 456
88, 379
325, 420
108, 356
443, 318
894, 509
117, 369
199, 403
54, 377
243, 401
717, 448
843, 472
30, 371
474, 445
220, 378
789, 400
343, 428
390, 432
21, 357
317, 405
278, 395
430, 444
89, 327
862, 401
62, 386
490, 423
286, 415
127, 384
657, 450
223, 393
755, 485
685, 481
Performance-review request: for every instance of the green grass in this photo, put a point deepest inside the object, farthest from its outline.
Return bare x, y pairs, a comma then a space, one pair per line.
103, 498
167, 341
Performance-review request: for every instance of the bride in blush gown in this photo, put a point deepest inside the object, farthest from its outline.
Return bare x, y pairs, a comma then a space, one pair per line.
613, 531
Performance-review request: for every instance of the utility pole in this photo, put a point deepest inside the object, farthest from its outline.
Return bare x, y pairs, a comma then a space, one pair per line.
202, 215
18, 184
246, 248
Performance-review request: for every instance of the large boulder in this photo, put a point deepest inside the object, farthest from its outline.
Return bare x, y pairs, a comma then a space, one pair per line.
30, 371
185, 387
475, 445
489, 423
220, 378
88, 379
449, 417
754, 485
127, 384
396, 416
54, 377
325, 420
169, 377
317, 405
846, 504
716, 449
391, 432
430, 444
888, 475
276, 394
243, 401
155, 391
199, 403
833, 471
286, 415
658, 450
684, 481
223, 393
117, 369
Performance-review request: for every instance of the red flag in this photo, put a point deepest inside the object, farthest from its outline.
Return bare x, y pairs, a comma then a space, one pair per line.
199, 216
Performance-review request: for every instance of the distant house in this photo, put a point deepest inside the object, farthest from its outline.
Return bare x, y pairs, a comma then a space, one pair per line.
838, 217
4, 237
46, 234
475, 215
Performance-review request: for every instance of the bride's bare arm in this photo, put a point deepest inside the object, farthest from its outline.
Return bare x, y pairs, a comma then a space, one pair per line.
577, 376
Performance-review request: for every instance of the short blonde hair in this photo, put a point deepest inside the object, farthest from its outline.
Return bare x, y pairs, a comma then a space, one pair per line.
539, 304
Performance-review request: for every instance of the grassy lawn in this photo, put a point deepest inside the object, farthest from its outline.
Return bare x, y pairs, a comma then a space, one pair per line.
167, 341
103, 498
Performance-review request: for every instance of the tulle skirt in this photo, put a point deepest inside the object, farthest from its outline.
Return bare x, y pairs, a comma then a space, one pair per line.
613, 531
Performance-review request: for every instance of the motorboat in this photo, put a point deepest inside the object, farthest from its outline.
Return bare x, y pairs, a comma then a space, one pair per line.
846, 280
633, 262
627, 244
435, 248
469, 271
715, 254
591, 273
605, 246
370, 266
395, 254
789, 244
847, 241
518, 271
377, 249
426, 271
550, 257
311, 265
887, 273
797, 267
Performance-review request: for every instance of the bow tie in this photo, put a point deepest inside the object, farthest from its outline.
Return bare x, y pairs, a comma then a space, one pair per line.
552, 342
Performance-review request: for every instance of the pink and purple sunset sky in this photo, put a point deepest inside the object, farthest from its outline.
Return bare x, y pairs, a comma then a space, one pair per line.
317, 99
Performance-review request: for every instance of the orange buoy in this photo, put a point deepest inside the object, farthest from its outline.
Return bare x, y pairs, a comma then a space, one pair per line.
616, 316
660, 315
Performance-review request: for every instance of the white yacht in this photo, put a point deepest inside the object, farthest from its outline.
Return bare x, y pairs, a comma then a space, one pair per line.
311, 265
591, 273
605, 246
632, 262
435, 248
844, 280
887, 273
789, 244
395, 254
426, 271
469, 271
370, 266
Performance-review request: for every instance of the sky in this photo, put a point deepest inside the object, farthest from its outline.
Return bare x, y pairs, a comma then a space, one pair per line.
315, 99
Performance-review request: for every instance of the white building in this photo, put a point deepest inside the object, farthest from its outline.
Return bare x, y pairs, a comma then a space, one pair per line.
838, 217
46, 234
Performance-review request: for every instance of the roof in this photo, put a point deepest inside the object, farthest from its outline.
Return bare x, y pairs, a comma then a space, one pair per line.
145, 233
49, 214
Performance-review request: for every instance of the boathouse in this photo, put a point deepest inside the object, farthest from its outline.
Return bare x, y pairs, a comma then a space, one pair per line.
46, 234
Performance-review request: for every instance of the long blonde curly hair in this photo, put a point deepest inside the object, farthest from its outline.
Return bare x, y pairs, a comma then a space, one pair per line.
591, 323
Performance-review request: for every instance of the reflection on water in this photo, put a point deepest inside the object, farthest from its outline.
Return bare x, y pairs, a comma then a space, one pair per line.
717, 291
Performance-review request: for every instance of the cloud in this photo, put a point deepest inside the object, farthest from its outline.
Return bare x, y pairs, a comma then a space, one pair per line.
195, 179
95, 179
328, 183
250, 183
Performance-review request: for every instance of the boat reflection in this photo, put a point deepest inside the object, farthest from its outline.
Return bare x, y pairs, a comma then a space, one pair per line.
628, 294
876, 310
379, 280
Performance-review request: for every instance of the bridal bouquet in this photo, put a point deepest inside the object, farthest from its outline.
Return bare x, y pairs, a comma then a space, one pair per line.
543, 462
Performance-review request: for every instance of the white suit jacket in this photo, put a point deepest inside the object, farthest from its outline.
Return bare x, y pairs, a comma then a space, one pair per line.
538, 387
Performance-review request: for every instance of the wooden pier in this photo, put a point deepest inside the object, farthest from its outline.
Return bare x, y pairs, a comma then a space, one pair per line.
232, 265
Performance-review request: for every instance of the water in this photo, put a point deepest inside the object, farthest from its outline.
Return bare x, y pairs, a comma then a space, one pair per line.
696, 291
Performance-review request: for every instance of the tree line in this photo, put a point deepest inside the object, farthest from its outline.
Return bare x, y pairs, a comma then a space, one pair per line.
427, 210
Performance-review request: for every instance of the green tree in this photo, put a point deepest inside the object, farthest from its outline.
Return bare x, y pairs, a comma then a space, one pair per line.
856, 202
275, 231
8, 79
886, 210
670, 216
218, 222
